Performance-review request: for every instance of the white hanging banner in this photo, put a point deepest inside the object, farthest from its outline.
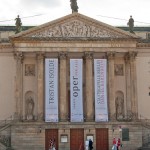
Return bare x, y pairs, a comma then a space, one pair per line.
100, 77
76, 96
51, 90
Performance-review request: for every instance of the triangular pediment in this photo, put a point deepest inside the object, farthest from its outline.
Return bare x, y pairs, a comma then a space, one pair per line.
75, 26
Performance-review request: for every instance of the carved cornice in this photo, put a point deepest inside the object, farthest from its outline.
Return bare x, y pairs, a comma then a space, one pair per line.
6, 46
64, 39
143, 45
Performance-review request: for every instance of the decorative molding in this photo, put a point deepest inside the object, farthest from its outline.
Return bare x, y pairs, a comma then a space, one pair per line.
4, 46
119, 70
29, 70
143, 45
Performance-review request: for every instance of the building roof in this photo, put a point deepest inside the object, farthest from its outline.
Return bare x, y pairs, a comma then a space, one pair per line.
125, 28
13, 28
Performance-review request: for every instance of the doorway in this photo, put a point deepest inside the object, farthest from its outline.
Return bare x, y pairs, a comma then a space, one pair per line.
77, 139
51, 138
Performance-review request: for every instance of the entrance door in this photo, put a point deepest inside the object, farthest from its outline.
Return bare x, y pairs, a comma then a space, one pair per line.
51, 138
77, 139
102, 139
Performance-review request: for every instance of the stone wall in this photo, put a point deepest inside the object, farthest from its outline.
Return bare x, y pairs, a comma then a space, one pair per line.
7, 85
29, 135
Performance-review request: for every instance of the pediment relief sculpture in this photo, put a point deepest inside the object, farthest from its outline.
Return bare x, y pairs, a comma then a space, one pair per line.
77, 29
74, 26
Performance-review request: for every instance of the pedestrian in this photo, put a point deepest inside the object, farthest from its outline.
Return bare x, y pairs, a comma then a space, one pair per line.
118, 144
114, 144
90, 144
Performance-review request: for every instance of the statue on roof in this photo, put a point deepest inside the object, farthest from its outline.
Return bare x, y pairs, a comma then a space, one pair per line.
131, 24
18, 25
74, 6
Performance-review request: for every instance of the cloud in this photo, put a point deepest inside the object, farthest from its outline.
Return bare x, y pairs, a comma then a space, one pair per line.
35, 4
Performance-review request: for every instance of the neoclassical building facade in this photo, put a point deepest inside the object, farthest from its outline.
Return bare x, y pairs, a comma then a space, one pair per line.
71, 80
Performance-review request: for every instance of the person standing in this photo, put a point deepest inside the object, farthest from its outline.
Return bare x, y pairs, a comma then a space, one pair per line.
114, 144
118, 144
90, 144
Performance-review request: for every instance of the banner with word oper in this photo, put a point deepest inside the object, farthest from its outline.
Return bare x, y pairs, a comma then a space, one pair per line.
100, 80
76, 96
51, 90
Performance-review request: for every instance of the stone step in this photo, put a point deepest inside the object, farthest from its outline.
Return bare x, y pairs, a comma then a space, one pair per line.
144, 148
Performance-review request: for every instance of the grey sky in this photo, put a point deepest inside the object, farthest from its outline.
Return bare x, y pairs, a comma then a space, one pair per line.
53, 9
47, 4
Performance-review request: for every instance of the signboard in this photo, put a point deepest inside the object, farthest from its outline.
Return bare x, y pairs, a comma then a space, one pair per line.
125, 134
100, 76
51, 90
76, 90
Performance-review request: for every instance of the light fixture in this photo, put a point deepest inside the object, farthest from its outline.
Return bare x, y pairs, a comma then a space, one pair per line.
40, 129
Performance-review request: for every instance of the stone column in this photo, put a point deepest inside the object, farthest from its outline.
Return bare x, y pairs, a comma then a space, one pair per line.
40, 86
128, 86
111, 86
63, 105
89, 86
18, 88
133, 81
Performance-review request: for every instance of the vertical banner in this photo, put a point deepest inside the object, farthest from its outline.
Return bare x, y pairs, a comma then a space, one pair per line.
76, 96
51, 90
100, 76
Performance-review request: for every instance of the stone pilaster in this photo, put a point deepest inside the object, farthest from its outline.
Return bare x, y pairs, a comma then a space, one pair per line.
133, 80
128, 85
111, 85
40, 86
89, 86
63, 104
18, 88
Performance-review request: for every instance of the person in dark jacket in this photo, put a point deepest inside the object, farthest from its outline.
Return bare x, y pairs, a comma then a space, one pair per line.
90, 144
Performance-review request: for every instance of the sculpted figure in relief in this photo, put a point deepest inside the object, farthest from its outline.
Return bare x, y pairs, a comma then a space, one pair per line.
119, 107
74, 6
29, 108
76, 28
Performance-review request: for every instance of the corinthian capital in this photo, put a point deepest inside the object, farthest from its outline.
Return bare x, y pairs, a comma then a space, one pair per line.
88, 55
40, 55
111, 55
63, 55
18, 56
130, 56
